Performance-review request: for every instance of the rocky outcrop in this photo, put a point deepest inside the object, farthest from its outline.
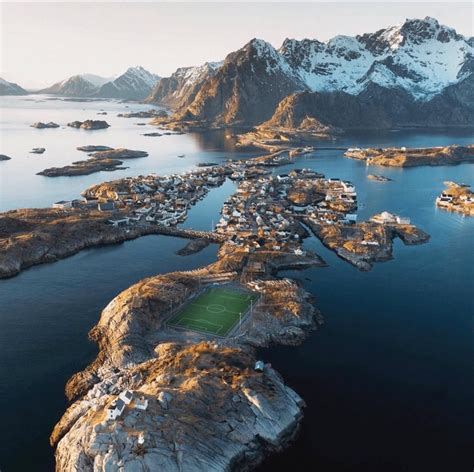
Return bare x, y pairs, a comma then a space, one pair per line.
4, 157
119, 153
412, 157
202, 398
93, 148
89, 166
378, 178
89, 124
41, 125
38, 150
193, 247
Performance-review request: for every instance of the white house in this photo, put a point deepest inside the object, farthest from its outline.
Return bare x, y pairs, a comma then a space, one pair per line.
141, 403
115, 409
119, 221
126, 396
403, 220
62, 204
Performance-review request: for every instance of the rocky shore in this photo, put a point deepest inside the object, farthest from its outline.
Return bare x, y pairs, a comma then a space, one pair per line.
411, 157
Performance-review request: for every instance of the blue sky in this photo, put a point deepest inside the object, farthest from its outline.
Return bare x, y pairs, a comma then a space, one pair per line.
42, 43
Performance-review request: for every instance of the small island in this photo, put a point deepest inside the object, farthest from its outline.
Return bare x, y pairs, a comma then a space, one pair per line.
38, 150
4, 157
144, 114
104, 160
458, 198
119, 153
89, 166
378, 178
93, 148
89, 124
41, 125
411, 157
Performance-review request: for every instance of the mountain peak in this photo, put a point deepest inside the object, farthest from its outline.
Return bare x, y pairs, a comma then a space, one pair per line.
419, 30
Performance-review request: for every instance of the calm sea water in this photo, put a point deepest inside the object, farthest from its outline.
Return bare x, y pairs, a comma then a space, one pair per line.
388, 379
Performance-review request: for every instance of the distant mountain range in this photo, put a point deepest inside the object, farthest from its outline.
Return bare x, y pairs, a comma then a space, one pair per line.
416, 74
9, 88
134, 84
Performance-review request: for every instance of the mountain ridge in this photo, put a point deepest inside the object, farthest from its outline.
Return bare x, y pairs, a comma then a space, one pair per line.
420, 57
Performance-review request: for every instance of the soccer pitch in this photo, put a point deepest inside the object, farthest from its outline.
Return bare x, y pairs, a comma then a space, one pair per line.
216, 311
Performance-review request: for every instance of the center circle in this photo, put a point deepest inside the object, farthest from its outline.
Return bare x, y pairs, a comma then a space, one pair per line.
213, 308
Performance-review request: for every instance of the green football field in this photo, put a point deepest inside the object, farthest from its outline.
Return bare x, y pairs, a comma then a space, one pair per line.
216, 311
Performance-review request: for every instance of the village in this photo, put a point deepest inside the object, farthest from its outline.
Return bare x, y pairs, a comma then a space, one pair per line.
269, 214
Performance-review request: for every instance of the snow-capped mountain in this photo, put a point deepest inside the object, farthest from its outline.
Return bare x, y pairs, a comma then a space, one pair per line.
82, 85
181, 87
136, 84
420, 57
10, 88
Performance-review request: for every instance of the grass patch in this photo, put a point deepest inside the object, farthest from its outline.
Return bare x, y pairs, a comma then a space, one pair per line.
215, 311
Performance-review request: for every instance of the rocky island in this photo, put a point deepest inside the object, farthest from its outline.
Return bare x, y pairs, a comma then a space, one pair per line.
411, 157
89, 124
104, 159
4, 157
41, 125
378, 178
89, 166
458, 198
93, 148
118, 153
